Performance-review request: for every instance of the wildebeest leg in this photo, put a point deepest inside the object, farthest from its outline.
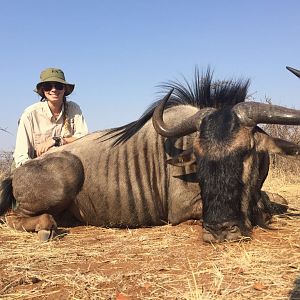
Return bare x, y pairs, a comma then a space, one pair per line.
187, 209
268, 203
263, 167
276, 204
43, 189
44, 224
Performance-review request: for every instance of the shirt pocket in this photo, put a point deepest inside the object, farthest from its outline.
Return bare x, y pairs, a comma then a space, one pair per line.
39, 138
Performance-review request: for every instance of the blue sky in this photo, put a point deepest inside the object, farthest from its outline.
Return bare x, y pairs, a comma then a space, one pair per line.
117, 52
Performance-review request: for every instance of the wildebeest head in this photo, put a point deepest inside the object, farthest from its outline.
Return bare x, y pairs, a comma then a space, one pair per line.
230, 152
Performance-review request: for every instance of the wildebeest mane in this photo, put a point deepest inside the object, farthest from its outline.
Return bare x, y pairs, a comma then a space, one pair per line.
202, 92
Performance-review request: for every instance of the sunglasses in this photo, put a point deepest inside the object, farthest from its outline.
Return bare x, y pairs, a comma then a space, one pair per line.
48, 86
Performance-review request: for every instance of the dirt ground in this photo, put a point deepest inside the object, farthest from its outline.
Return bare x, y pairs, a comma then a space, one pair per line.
169, 262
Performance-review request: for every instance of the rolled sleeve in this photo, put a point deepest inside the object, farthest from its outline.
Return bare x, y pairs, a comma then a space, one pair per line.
23, 149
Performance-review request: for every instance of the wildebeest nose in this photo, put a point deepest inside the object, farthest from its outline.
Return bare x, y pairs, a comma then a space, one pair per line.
218, 234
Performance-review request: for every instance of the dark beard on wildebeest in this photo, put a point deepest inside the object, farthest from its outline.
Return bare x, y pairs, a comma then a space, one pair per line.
222, 188
220, 172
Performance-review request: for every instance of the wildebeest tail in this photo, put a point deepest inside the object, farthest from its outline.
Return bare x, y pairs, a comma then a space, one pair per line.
6, 196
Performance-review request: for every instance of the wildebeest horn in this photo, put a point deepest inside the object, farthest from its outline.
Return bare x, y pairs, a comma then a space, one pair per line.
186, 127
294, 71
252, 113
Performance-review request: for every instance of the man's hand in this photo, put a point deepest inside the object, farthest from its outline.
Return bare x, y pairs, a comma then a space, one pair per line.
44, 147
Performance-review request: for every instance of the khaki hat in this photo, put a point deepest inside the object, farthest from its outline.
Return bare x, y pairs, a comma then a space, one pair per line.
56, 75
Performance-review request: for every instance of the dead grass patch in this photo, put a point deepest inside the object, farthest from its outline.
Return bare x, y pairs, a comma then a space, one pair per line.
169, 262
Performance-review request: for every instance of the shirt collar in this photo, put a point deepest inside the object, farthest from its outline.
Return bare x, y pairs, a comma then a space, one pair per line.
48, 112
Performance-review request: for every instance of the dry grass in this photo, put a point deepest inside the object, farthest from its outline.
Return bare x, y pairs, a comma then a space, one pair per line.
163, 262
169, 262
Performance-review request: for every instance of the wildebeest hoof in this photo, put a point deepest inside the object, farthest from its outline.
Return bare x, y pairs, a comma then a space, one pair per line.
278, 204
46, 235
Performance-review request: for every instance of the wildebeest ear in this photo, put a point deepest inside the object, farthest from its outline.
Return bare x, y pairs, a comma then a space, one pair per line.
186, 158
276, 145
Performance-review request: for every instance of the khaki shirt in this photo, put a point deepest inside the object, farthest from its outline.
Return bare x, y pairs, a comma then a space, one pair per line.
37, 124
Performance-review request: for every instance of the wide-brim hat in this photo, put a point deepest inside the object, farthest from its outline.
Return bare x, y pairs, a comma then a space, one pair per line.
54, 75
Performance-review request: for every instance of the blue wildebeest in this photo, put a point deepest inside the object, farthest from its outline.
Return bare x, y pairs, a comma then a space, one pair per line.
207, 159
